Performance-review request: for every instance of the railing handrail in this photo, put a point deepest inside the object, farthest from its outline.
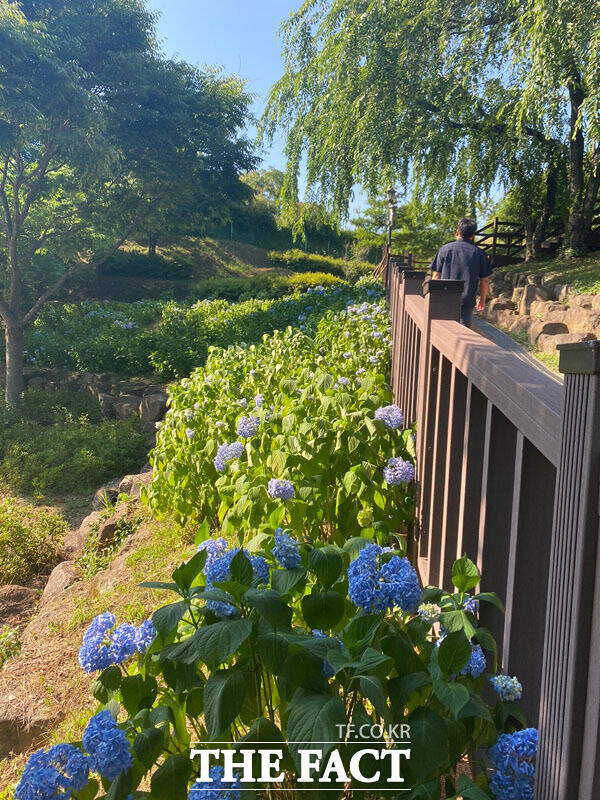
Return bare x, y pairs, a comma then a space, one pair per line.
527, 396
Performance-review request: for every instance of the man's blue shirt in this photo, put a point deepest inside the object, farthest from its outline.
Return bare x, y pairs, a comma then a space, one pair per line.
463, 261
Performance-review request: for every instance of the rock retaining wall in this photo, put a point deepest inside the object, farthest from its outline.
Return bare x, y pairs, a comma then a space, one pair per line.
118, 398
546, 312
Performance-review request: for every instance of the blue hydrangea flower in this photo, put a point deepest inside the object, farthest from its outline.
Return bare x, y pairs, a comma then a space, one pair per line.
107, 746
123, 643
215, 548
343, 381
376, 587
260, 568
216, 789
93, 654
259, 400
53, 774
470, 604
219, 571
391, 416
190, 433
513, 756
145, 636
281, 489
286, 550
398, 471
509, 689
226, 453
247, 427
476, 665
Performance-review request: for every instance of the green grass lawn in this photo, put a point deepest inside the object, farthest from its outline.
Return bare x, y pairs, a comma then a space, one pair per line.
583, 274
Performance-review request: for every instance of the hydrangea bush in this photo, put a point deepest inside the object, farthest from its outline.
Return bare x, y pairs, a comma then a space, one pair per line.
285, 646
162, 337
319, 446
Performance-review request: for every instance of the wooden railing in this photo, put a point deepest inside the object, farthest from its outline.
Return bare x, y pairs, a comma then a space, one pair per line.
508, 472
504, 242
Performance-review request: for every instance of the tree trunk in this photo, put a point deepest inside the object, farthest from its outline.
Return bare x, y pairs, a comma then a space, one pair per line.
152, 246
13, 337
529, 227
576, 229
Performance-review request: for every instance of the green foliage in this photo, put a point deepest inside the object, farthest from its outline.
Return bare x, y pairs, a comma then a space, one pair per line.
157, 146
10, 643
60, 444
165, 337
93, 559
261, 675
299, 261
29, 540
421, 226
263, 287
437, 105
317, 429
133, 264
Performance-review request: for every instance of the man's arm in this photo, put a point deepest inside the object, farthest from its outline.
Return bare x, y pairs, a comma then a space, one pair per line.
483, 291
436, 267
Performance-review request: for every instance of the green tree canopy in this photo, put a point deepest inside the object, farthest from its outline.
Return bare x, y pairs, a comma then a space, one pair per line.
450, 97
99, 135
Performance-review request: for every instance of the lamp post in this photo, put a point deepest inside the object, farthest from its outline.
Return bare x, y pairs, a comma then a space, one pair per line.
391, 196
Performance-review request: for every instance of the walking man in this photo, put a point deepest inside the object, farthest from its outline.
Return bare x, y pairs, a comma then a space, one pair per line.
462, 260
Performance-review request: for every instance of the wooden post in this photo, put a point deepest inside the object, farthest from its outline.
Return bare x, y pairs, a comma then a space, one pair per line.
494, 241
568, 764
442, 301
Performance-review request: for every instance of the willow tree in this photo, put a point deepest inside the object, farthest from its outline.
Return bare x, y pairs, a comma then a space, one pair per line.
448, 97
98, 133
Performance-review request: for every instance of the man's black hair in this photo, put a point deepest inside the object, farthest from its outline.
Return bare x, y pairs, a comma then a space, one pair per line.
466, 228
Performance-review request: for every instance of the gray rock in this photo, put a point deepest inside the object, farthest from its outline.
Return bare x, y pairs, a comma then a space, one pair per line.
106, 495
547, 342
132, 484
531, 293
151, 410
581, 301
61, 577
562, 291
107, 405
545, 307
127, 406
107, 534
501, 304
548, 328
582, 320
17, 733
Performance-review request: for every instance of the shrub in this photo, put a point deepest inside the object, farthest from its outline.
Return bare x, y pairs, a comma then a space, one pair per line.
272, 654
264, 287
315, 402
10, 643
29, 540
299, 261
58, 442
185, 334
133, 264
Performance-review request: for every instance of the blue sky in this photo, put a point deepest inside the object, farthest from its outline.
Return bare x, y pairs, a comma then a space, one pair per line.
238, 35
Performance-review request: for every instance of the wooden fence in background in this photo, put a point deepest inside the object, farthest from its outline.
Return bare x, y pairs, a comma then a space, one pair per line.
508, 472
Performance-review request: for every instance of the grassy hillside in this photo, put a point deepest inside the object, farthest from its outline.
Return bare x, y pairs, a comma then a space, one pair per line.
209, 258
583, 274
